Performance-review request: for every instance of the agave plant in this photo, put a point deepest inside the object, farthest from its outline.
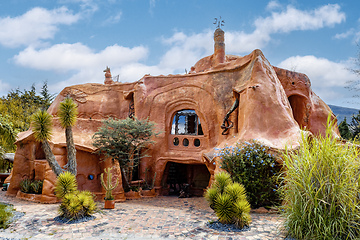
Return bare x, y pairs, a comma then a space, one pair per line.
228, 200
67, 115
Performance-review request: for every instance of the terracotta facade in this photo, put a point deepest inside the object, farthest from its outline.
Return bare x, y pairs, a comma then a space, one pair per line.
273, 105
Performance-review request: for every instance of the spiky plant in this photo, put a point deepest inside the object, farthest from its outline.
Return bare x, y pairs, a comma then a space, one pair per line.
321, 189
108, 186
41, 125
66, 183
67, 115
77, 205
229, 201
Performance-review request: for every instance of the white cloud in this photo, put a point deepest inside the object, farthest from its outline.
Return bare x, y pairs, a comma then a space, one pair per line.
273, 5
346, 34
66, 57
33, 26
114, 18
326, 77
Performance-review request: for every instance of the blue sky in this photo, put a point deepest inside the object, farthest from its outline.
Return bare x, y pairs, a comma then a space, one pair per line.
67, 42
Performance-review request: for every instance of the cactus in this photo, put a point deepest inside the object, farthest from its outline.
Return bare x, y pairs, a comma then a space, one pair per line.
109, 187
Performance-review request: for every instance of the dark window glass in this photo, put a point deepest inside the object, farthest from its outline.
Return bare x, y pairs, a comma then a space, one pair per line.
186, 122
186, 142
176, 141
197, 142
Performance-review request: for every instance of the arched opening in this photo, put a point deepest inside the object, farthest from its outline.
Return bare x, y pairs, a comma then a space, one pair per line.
186, 122
188, 178
298, 106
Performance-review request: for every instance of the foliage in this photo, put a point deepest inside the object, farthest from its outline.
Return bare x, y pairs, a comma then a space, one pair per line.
321, 189
6, 212
108, 186
18, 106
66, 183
67, 113
228, 200
42, 125
75, 204
251, 164
25, 185
124, 140
344, 130
31, 186
7, 135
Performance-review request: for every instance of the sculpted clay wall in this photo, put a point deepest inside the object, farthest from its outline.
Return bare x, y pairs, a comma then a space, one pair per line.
269, 104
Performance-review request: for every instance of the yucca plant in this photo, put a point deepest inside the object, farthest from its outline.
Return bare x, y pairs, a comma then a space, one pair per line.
74, 204
41, 125
66, 183
67, 115
228, 200
321, 189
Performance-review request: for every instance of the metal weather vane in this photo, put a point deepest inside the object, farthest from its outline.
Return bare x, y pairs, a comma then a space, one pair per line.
219, 22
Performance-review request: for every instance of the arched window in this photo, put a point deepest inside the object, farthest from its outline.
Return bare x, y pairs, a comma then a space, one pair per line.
186, 122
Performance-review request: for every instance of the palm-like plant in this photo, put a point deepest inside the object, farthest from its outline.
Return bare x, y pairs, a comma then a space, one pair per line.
41, 124
67, 115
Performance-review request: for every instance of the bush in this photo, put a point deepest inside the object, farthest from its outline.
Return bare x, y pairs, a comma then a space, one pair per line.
25, 185
31, 186
5, 215
321, 189
228, 200
75, 204
251, 164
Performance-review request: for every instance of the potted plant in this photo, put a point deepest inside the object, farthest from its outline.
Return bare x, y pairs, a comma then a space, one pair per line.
109, 187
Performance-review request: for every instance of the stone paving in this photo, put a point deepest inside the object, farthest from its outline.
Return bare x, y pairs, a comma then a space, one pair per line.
146, 218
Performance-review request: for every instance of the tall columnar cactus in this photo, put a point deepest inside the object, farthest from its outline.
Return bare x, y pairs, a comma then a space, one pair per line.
108, 186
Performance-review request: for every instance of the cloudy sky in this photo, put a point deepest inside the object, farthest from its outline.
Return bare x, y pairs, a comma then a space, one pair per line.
67, 42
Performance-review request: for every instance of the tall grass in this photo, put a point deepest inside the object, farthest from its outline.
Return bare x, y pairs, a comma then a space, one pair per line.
321, 189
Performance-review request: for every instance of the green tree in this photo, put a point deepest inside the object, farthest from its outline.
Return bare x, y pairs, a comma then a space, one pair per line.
345, 130
68, 114
7, 135
42, 126
355, 125
125, 141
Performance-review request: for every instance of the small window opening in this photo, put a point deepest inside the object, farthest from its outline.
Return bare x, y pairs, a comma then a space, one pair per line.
186, 122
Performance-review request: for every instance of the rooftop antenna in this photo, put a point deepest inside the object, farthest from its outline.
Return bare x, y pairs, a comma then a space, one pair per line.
219, 22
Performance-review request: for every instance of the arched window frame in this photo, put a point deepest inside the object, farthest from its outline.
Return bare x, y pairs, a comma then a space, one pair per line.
190, 116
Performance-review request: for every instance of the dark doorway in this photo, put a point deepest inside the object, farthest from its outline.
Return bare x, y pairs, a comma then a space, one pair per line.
298, 106
193, 178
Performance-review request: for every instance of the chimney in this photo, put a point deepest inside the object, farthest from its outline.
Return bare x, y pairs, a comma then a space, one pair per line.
219, 46
108, 78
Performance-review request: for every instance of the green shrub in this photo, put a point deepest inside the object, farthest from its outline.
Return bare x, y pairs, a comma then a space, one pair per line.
31, 186
75, 204
36, 186
25, 185
5, 215
251, 164
321, 189
66, 183
228, 200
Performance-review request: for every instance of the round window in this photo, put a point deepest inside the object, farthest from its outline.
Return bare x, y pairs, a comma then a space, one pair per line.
176, 141
91, 177
197, 142
186, 142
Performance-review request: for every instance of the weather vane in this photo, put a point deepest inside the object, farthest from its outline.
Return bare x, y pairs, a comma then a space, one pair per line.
219, 22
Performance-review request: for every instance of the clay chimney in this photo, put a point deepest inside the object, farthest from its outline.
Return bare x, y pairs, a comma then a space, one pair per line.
108, 78
219, 46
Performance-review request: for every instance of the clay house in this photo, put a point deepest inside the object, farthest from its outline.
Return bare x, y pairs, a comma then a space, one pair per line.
222, 100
